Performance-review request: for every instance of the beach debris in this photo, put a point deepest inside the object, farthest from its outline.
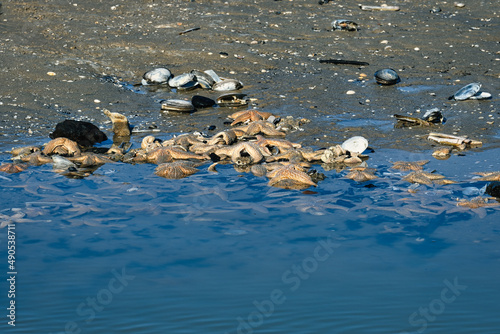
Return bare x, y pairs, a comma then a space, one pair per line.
347, 25
383, 7
387, 76
460, 142
431, 117
189, 30
470, 92
343, 62
84, 133
121, 126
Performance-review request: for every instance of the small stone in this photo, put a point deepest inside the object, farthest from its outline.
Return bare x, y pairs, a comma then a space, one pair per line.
97, 101
51, 73
350, 92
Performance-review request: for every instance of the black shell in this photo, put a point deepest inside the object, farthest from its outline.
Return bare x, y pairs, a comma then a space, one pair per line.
387, 76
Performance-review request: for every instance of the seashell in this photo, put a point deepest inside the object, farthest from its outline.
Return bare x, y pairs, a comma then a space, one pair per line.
344, 25
355, 144
213, 75
204, 80
177, 105
156, 76
434, 116
62, 146
232, 100
202, 101
387, 76
184, 79
227, 85
480, 96
61, 163
466, 92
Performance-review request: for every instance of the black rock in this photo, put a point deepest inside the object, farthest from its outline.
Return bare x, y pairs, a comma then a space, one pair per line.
493, 189
84, 133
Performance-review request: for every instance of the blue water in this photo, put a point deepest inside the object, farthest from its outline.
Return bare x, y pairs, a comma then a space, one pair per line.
126, 251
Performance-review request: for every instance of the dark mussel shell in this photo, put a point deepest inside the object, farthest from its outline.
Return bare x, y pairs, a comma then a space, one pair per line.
387, 76
344, 25
200, 102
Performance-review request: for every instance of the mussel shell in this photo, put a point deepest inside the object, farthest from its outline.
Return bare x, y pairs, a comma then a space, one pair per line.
356, 144
203, 79
227, 85
213, 75
177, 105
156, 76
387, 76
181, 80
232, 100
199, 101
434, 116
466, 92
344, 25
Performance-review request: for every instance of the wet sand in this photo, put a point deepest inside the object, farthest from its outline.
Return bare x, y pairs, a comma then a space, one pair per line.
273, 47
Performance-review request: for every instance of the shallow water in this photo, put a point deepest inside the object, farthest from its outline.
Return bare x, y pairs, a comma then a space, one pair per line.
123, 250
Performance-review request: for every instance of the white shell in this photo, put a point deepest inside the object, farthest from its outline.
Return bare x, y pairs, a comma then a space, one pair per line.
156, 76
466, 92
61, 163
480, 96
177, 105
227, 85
181, 80
355, 144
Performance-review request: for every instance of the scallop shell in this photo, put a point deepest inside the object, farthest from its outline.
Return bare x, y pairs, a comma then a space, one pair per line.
387, 76
355, 144
466, 92
156, 76
177, 105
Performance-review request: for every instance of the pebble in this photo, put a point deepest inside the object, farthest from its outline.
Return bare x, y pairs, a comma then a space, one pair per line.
459, 4
350, 92
51, 73
97, 101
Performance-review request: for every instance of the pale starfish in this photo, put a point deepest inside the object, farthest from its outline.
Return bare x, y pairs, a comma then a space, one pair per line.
422, 177
488, 176
406, 166
290, 177
62, 146
168, 154
297, 154
91, 159
185, 140
226, 137
13, 167
361, 174
150, 143
176, 170
478, 202
242, 153
23, 151
264, 127
249, 115
36, 159
281, 144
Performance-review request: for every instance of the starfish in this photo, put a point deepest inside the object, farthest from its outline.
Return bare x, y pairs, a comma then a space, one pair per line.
91, 159
176, 170
37, 159
409, 165
243, 153
361, 174
226, 137
281, 144
13, 167
298, 154
422, 177
477, 202
290, 177
168, 154
150, 143
185, 140
264, 127
204, 149
488, 176
62, 146
23, 151
249, 115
